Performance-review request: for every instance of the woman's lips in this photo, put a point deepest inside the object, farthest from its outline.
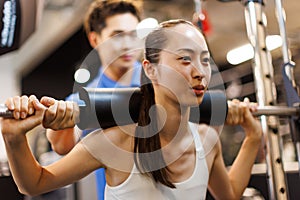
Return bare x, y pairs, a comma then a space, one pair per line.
199, 90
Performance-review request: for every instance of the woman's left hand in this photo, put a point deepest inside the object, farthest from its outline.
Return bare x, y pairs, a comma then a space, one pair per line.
240, 113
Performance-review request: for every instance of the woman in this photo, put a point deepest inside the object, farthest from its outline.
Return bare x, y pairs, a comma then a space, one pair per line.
164, 156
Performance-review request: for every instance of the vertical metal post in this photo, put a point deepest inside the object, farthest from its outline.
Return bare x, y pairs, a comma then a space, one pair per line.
285, 50
289, 79
266, 95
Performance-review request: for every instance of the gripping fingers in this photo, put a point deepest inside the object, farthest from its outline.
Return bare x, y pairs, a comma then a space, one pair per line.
236, 111
48, 101
239, 111
233, 117
10, 103
68, 118
246, 100
58, 115
61, 113
55, 115
17, 106
50, 115
31, 109
250, 105
228, 118
24, 107
71, 115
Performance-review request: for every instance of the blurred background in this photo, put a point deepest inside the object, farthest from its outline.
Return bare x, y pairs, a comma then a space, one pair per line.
44, 62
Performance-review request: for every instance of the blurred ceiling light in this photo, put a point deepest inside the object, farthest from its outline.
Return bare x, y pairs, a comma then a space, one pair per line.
246, 52
240, 54
146, 26
82, 76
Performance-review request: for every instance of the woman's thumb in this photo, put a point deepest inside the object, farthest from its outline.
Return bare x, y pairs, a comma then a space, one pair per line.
38, 106
47, 101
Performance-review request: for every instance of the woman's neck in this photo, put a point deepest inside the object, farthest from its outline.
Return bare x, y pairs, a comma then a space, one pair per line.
172, 119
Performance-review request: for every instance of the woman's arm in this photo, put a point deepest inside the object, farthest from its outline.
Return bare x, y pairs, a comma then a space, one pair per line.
240, 170
63, 141
60, 120
231, 185
30, 177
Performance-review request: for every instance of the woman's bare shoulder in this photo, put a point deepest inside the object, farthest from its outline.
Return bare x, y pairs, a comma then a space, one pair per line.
111, 146
207, 133
105, 139
116, 134
120, 135
209, 137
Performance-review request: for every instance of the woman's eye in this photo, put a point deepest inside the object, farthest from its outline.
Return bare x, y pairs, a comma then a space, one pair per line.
205, 61
185, 58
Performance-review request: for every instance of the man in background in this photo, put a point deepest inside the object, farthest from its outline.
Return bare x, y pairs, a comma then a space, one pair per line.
110, 28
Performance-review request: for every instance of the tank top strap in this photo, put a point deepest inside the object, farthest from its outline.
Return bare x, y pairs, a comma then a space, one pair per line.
197, 139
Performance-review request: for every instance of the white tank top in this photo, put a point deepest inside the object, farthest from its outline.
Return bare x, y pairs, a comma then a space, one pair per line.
138, 186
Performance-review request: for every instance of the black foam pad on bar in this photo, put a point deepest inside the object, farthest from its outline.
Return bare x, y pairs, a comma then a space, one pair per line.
108, 107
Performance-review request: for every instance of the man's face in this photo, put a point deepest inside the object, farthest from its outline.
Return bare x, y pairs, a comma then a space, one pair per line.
118, 45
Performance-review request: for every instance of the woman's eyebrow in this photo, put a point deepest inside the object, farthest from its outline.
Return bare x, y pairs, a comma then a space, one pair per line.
191, 51
205, 52
185, 50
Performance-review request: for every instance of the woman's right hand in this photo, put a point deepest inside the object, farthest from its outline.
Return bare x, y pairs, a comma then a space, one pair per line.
60, 114
28, 112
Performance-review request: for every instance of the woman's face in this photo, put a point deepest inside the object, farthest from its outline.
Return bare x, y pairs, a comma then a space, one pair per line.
184, 71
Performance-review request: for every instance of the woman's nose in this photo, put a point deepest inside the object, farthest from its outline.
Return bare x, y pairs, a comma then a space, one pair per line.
198, 71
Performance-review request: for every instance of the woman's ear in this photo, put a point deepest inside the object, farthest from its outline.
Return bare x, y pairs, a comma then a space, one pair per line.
94, 39
150, 70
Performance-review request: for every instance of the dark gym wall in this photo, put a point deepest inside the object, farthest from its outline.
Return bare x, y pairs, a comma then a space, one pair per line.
54, 76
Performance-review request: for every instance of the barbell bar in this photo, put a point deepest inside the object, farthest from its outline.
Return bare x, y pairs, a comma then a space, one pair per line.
120, 106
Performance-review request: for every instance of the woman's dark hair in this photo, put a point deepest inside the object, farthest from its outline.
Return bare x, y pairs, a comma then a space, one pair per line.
147, 147
100, 10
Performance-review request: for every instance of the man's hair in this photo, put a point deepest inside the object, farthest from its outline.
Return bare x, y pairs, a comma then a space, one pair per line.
100, 10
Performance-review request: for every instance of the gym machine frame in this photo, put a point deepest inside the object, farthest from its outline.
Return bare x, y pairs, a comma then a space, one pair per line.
266, 91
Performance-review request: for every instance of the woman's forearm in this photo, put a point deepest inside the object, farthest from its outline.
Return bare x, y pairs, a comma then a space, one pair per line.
240, 171
24, 168
62, 141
